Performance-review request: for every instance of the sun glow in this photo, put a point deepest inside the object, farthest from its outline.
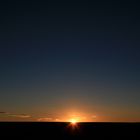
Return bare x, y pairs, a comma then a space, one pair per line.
73, 124
73, 121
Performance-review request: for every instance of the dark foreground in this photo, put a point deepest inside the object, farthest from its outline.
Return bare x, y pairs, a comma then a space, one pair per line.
50, 131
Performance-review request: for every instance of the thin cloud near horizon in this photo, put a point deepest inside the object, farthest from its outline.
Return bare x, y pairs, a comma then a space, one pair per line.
15, 115
43, 119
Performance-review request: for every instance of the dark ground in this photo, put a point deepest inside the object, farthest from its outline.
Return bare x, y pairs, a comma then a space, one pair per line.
50, 131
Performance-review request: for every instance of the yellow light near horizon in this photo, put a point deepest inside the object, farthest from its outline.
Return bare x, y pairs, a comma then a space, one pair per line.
73, 121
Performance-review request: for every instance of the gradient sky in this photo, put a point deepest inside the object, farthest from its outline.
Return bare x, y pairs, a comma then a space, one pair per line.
60, 60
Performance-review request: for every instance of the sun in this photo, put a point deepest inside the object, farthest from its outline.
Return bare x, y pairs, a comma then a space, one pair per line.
73, 121
73, 124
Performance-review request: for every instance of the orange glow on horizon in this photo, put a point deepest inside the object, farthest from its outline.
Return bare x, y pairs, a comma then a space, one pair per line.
73, 121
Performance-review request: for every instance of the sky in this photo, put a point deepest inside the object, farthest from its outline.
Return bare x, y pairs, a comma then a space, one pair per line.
61, 60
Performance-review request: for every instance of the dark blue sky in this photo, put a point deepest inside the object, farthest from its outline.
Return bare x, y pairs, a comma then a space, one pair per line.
56, 56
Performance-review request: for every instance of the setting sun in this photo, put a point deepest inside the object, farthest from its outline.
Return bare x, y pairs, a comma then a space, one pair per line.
73, 121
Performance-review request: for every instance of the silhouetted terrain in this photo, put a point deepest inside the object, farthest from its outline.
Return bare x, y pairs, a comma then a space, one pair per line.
28, 130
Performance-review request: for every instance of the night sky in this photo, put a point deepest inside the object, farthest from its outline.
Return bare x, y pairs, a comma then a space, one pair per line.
62, 59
